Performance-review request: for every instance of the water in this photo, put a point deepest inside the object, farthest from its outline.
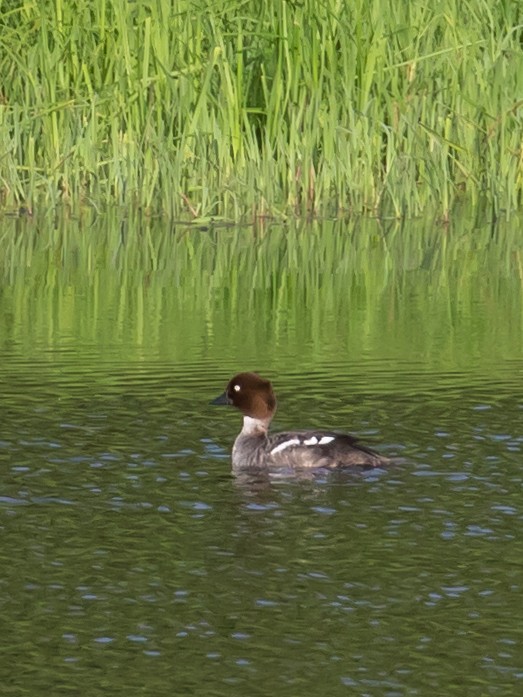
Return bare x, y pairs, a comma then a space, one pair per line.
133, 562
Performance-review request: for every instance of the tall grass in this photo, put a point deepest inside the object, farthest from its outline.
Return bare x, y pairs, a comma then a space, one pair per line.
246, 108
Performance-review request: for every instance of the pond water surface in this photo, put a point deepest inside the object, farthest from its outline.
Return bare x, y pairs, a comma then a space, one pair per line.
133, 562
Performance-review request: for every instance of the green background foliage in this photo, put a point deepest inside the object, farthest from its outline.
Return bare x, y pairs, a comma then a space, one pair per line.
264, 107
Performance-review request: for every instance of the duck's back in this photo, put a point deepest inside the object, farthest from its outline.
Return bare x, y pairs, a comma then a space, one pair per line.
303, 449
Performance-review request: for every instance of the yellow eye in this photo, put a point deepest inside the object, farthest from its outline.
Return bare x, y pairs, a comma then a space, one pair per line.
237, 388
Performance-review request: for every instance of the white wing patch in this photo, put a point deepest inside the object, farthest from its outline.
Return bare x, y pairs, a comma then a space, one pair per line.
313, 440
285, 444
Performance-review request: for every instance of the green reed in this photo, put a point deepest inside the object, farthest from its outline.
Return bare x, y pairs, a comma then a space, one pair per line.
262, 107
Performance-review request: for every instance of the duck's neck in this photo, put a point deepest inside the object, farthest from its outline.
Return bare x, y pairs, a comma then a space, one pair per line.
252, 426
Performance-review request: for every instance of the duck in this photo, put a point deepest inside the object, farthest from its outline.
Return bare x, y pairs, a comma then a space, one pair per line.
255, 448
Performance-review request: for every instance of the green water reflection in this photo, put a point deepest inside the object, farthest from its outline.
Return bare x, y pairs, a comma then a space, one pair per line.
443, 298
131, 561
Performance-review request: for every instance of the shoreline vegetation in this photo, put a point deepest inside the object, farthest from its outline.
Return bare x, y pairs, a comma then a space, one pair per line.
262, 108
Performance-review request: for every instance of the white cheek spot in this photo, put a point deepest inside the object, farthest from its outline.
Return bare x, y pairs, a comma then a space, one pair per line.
310, 441
326, 439
285, 444
236, 388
